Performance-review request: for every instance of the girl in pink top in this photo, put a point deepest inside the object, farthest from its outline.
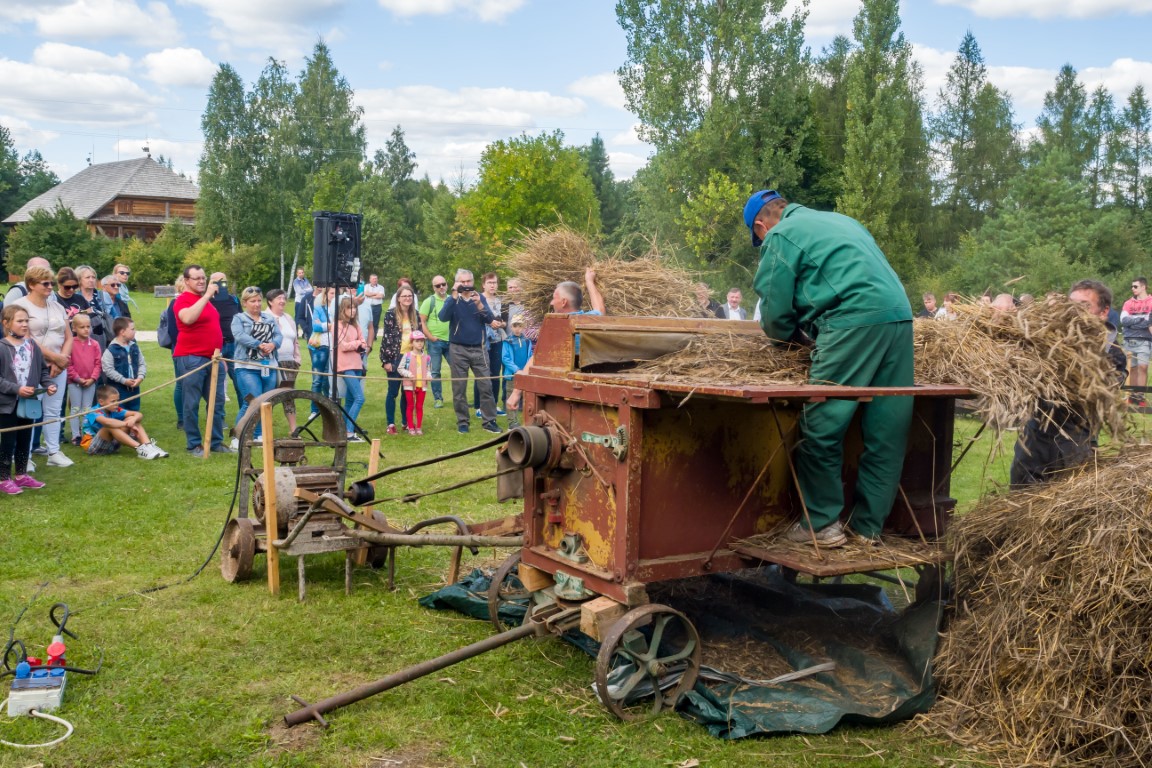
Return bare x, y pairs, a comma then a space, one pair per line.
350, 367
414, 367
83, 372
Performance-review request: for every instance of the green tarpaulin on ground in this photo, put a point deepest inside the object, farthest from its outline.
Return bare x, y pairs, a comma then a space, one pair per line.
756, 625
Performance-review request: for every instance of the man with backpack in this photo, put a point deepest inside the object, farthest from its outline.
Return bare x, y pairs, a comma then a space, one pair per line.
436, 335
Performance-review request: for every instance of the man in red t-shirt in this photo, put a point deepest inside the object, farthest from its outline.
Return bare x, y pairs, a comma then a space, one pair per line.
199, 338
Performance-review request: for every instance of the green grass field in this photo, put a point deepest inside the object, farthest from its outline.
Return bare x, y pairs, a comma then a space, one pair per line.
201, 674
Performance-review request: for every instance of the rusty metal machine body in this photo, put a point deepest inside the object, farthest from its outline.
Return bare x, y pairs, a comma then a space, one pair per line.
648, 480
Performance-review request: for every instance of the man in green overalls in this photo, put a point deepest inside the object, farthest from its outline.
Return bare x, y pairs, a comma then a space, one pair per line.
823, 278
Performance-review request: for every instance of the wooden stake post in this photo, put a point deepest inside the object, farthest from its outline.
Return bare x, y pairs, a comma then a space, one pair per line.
373, 468
271, 524
206, 442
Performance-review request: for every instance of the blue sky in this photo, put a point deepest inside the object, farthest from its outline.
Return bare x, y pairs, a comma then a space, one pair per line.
102, 78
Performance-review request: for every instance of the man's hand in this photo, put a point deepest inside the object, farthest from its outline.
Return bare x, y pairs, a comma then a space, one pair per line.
513, 401
590, 276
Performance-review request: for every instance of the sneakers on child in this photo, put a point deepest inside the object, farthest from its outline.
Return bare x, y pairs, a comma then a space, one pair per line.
355, 438
144, 451
27, 482
31, 466
411, 430
491, 426
419, 431
829, 537
9, 487
235, 444
479, 413
160, 452
438, 404
391, 429
58, 459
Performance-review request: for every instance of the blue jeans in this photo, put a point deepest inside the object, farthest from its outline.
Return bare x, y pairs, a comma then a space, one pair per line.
178, 396
195, 390
353, 397
228, 349
320, 385
390, 400
438, 351
251, 384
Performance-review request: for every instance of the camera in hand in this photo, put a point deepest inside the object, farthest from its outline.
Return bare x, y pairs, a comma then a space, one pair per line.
464, 290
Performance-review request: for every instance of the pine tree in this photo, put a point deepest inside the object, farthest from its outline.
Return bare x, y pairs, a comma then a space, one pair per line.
396, 161
1063, 123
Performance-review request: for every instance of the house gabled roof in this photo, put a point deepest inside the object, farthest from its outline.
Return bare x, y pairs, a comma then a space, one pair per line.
97, 185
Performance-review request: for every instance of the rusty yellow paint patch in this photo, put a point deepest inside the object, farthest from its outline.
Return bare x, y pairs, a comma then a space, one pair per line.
589, 512
668, 438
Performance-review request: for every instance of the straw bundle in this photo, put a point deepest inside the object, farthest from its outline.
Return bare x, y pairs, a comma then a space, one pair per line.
648, 286
1051, 351
1048, 661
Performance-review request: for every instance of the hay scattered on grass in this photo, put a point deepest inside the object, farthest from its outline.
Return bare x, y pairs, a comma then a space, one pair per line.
648, 286
1048, 660
1051, 351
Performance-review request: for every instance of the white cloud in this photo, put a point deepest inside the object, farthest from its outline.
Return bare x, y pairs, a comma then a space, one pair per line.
72, 58
25, 136
179, 67
1048, 9
40, 93
284, 27
603, 88
625, 164
100, 19
485, 10
827, 18
628, 138
185, 155
1028, 85
449, 129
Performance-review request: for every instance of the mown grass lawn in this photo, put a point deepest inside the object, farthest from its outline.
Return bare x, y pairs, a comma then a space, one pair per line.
201, 674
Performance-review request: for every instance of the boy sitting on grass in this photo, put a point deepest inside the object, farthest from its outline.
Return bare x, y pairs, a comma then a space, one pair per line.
105, 430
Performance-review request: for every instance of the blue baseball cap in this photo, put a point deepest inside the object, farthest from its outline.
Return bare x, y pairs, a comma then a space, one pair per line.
753, 206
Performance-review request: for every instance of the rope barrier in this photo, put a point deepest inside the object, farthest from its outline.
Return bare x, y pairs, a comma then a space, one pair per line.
95, 408
170, 382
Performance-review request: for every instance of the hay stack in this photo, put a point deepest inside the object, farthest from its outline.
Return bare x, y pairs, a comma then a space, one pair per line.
648, 286
1051, 351
1049, 660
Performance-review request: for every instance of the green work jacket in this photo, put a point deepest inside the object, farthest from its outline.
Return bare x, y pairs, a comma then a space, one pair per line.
823, 271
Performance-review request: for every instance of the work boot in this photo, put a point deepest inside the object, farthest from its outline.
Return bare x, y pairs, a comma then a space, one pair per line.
829, 537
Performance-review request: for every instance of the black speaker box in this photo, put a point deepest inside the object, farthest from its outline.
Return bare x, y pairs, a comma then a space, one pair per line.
336, 249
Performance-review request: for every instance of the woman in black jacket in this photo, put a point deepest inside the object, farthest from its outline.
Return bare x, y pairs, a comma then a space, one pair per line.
398, 323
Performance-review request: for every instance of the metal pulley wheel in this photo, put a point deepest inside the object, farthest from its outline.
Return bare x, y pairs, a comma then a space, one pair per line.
529, 446
286, 506
648, 659
237, 550
506, 591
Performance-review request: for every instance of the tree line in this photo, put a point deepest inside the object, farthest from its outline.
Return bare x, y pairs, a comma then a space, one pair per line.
956, 191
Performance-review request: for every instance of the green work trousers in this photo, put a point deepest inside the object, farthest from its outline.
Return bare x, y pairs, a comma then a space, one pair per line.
870, 356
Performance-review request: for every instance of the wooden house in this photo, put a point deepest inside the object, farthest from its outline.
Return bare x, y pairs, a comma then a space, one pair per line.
127, 198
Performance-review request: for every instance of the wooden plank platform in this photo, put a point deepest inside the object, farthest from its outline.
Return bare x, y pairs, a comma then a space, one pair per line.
893, 552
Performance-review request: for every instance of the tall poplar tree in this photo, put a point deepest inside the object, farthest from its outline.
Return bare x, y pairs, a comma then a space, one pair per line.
1101, 122
1133, 151
329, 131
278, 174
720, 86
883, 112
227, 164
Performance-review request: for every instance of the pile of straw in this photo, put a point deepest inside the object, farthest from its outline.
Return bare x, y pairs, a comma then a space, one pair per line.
1049, 660
732, 358
1052, 350
648, 286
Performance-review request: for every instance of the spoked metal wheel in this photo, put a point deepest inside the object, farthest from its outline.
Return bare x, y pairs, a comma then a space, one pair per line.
647, 661
237, 550
505, 592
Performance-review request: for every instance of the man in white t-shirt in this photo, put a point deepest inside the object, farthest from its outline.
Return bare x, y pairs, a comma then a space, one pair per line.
374, 298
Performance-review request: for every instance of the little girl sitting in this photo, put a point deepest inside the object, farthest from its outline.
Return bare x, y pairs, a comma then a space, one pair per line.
414, 367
